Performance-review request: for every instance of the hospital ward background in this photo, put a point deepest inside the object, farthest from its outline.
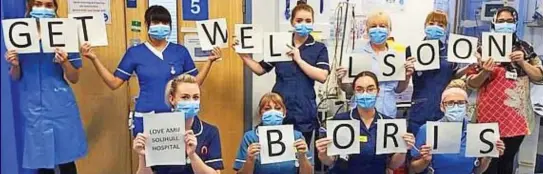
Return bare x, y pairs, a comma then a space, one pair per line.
231, 92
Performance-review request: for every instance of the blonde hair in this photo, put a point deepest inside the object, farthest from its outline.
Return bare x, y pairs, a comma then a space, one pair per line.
172, 85
457, 83
270, 97
376, 17
437, 16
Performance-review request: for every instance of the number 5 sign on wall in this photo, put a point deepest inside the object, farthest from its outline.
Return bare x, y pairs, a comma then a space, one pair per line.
195, 10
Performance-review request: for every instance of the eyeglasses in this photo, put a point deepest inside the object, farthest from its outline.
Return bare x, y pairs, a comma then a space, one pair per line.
505, 21
452, 103
368, 90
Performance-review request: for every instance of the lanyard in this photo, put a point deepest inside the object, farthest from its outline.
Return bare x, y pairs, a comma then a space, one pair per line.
287, 10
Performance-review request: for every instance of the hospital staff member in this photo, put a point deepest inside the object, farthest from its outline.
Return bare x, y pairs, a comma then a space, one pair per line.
504, 91
271, 110
428, 85
295, 79
366, 88
454, 103
154, 62
379, 27
202, 140
53, 132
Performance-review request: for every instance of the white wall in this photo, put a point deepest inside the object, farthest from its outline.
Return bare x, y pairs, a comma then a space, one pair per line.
408, 28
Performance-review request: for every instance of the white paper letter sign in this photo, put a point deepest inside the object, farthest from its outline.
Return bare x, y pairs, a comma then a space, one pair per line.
389, 136
344, 135
249, 38
427, 55
59, 33
212, 33
445, 137
392, 67
91, 28
497, 45
275, 47
462, 49
482, 139
21, 35
276, 143
356, 63
166, 142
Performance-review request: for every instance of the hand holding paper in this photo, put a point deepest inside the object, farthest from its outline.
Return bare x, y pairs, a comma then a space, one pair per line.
409, 66
60, 56
139, 144
12, 57
517, 57
252, 151
322, 145
301, 147
216, 54
190, 142
425, 152
86, 51
294, 53
500, 146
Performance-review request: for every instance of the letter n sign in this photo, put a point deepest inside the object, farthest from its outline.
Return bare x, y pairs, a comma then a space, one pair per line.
195, 10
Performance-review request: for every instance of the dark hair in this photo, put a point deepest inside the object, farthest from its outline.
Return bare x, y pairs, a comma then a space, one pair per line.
157, 13
301, 5
368, 74
30, 4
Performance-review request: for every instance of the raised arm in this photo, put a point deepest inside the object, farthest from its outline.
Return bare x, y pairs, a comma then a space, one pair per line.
113, 82
315, 73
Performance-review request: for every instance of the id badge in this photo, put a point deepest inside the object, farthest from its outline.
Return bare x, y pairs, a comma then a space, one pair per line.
511, 75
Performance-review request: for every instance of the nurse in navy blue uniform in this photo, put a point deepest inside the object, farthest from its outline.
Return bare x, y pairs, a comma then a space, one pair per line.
53, 133
202, 140
428, 85
272, 111
454, 105
295, 80
155, 62
366, 88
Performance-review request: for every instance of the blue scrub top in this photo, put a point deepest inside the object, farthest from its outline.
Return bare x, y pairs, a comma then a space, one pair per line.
447, 163
296, 88
274, 168
386, 102
367, 161
154, 69
427, 89
53, 131
208, 149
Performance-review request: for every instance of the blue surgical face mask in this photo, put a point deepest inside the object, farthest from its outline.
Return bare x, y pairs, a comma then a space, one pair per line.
455, 113
159, 32
272, 117
365, 100
190, 108
42, 12
505, 27
303, 29
378, 35
434, 32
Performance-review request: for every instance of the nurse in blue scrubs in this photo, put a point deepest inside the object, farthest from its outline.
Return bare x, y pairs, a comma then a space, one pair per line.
53, 133
202, 140
379, 27
295, 80
155, 62
272, 111
454, 104
428, 85
366, 88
